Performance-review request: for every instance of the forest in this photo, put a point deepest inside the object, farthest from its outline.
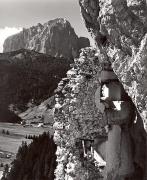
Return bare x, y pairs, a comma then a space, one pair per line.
36, 161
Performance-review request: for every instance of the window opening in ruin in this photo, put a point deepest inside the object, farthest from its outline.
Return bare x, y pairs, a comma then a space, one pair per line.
117, 105
113, 91
104, 92
90, 153
87, 145
111, 88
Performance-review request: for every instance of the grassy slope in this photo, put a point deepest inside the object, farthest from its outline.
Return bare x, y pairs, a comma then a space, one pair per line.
10, 143
27, 77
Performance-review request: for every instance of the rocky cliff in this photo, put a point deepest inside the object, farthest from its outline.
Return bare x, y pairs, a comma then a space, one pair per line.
96, 138
56, 37
100, 110
120, 32
27, 78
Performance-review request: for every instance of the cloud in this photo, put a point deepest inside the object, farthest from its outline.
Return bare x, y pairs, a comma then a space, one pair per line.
6, 32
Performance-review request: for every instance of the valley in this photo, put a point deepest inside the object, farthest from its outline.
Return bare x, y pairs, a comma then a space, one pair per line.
11, 137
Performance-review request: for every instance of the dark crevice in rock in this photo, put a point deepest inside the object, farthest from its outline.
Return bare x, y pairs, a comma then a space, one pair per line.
126, 149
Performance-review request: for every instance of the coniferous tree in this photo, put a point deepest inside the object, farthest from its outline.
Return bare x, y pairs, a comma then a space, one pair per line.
5, 172
36, 161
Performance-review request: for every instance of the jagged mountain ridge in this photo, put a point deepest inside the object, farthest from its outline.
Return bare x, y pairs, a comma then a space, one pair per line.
56, 37
28, 77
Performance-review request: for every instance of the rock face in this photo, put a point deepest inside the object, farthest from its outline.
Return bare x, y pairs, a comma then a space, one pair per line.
28, 77
97, 139
56, 37
120, 32
119, 28
87, 116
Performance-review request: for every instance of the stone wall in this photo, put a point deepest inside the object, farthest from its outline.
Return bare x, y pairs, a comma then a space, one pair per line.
77, 116
80, 115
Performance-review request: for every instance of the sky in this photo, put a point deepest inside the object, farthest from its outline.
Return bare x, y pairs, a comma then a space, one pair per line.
16, 14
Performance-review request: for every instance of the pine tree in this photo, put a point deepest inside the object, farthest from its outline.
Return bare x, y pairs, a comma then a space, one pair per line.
36, 161
5, 172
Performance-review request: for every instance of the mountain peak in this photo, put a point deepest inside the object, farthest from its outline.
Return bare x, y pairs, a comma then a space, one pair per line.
55, 37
